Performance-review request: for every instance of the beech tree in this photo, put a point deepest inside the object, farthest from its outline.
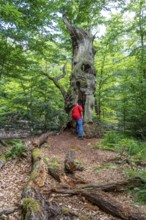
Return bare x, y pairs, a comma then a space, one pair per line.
83, 76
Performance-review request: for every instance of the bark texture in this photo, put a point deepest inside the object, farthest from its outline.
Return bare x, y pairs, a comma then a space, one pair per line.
83, 77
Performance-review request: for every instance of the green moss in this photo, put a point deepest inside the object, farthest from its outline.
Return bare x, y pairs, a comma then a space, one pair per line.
2, 157
65, 210
33, 175
37, 153
33, 205
46, 160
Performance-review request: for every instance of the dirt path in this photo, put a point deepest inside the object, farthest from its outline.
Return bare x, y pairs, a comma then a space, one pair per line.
14, 175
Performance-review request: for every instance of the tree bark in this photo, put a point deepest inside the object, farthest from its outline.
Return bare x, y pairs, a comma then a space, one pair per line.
39, 141
83, 77
70, 166
111, 206
105, 202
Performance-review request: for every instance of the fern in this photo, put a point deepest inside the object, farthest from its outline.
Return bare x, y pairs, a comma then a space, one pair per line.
18, 150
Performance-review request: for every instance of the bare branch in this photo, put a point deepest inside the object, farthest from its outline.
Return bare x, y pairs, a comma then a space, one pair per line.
63, 73
56, 79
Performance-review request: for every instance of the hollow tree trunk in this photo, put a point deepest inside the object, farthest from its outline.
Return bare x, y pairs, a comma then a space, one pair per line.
83, 77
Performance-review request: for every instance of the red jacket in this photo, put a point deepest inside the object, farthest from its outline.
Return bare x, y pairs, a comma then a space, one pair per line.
77, 112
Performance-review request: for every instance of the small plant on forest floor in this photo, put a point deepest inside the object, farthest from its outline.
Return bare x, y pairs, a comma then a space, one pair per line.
105, 166
17, 150
54, 163
97, 169
78, 162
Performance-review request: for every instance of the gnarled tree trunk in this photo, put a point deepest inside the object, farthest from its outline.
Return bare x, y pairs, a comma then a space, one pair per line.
83, 77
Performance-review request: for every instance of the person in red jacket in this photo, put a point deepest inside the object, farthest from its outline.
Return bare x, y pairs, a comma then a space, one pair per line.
77, 115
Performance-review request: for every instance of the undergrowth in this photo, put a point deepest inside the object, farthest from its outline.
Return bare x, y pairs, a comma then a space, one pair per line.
17, 149
140, 192
124, 145
133, 149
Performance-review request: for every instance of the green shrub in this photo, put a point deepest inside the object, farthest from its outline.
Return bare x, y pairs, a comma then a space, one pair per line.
139, 193
141, 196
118, 143
110, 140
18, 150
128, 145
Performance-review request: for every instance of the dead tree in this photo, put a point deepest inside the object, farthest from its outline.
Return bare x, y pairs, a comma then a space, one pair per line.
83, 76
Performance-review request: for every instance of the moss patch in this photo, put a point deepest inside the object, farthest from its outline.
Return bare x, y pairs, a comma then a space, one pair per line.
37, 153
2, 158
32, 204
33, 175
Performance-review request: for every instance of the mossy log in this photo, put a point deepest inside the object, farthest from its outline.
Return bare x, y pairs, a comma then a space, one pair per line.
39, 141
39, 169
35, 206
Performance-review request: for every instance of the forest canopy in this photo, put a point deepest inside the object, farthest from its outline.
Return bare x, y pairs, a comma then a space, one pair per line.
35, 45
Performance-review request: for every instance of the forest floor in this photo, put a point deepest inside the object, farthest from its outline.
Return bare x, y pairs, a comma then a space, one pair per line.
97, 169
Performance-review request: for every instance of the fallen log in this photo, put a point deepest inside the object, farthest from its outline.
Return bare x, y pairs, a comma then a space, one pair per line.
39, 170
105, 202
12, 135
39, 141
34, 205
129, 184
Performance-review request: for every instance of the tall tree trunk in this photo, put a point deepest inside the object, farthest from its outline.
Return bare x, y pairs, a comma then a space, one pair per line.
83, 77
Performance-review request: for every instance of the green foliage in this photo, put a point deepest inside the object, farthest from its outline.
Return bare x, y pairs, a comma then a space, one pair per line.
140, 193
17, 150
141, 196
125, 145
110, 140
54, 163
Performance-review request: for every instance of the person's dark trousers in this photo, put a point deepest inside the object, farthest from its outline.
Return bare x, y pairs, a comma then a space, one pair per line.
79, 127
